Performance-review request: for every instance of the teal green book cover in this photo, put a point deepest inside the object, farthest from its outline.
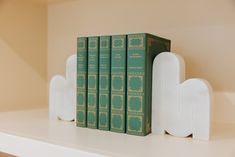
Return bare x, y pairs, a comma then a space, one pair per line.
104, 82
93, 82
118, 84
142, 48
81, 81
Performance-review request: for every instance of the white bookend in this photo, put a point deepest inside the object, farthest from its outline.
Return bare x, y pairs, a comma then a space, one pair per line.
62, 97
179, 107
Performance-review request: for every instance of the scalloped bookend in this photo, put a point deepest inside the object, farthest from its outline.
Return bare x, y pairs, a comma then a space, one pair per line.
179, 107
62, 94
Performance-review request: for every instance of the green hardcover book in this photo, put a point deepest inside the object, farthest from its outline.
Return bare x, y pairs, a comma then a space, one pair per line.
142, 48
93, 82
81, 81
104, 82
118, 83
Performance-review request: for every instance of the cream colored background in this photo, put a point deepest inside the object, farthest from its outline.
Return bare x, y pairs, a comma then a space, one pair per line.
23, 56
37, 36
202, 31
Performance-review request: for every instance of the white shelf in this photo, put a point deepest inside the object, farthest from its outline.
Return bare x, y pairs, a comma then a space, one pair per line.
31, 134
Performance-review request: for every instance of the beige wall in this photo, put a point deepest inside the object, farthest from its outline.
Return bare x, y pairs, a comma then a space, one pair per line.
202, 31
23, 56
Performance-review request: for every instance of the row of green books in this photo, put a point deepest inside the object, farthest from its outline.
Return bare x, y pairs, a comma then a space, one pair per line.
114, 81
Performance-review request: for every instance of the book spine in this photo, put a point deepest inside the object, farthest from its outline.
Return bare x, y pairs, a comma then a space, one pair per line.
81, 82
136, 66
104, 82
93, 82
142, 48
118, 83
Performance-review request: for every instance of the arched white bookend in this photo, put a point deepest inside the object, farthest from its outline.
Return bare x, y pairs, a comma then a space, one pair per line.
56, 96
62, 94
180, 108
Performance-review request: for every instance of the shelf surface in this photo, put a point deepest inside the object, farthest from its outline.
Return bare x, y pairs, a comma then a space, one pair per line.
31, 134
